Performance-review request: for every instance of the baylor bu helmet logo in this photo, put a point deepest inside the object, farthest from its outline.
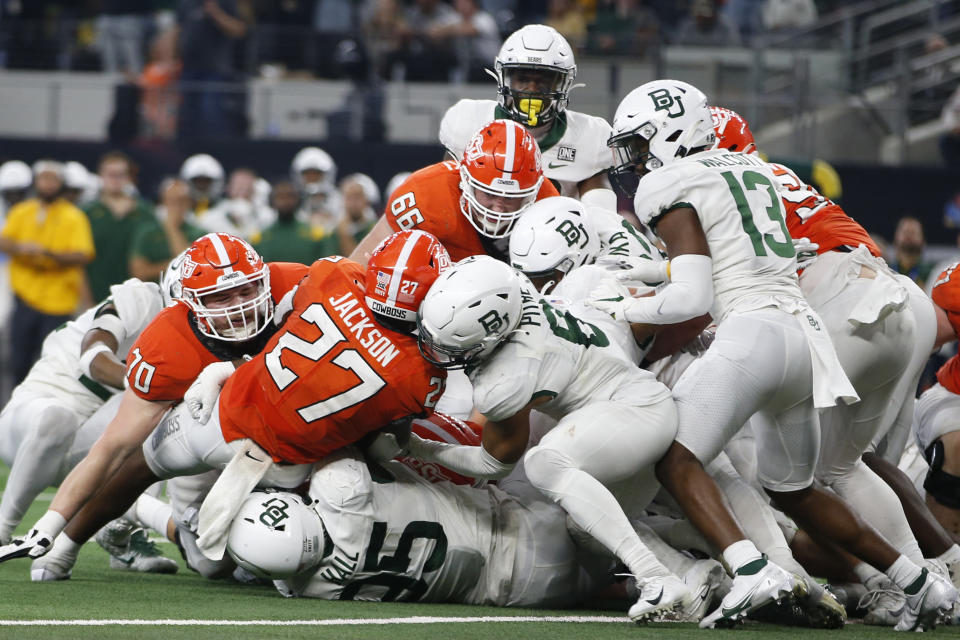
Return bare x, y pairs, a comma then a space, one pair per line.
663, 101
274, 513
492, 322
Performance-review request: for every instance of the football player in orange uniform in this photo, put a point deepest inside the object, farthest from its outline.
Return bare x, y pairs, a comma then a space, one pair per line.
883, 329
336, 371
471, 206
937, 420
228, 301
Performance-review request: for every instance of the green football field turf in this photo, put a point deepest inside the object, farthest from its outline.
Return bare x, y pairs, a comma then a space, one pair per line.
97, 601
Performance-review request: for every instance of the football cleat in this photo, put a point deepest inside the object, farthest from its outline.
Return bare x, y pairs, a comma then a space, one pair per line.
132, 551
706, 580
661, 599
883, 602
931, 604
756, 584
52, 567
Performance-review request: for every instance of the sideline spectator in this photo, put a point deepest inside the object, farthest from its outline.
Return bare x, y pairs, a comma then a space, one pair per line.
159, 97
114, 217
15, 181
204, 176
78, 185
475, 38
383, 28
49, 241
707, 26
426, 58
288, 239
121, 29
566, 16
240, 213
157, 240
359, 194
207, 32
908, 246
623, 27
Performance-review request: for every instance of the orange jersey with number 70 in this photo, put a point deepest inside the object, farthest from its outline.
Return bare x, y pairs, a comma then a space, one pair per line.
429, 200
331, 374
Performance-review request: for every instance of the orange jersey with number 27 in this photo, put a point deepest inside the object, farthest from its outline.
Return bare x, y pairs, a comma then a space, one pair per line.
331, 374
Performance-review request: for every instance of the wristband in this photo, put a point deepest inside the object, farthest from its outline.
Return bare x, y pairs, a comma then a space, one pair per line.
86, 358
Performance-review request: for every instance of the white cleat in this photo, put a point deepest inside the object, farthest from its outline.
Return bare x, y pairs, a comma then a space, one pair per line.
932, 604
136, 553
883, 602
661, 599
706, 581
764, 584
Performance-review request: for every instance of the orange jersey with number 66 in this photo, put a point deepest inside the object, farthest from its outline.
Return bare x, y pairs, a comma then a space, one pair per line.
171, 352
331, 374
429, 200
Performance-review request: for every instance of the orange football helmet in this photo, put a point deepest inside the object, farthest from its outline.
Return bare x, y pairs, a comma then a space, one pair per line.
399, 273
500, 176
732, 130
227, 285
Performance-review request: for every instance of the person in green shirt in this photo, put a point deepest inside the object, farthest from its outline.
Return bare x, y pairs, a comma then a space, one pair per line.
288, 240
114, 217
160, 238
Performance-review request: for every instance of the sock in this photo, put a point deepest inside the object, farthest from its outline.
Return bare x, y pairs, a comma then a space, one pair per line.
51, 523
743, 555
672, 559
153, 513
865, 572
951, 555
592, 507
876, 502
906, 575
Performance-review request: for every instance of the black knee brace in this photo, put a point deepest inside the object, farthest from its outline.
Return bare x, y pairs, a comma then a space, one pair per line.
943, 486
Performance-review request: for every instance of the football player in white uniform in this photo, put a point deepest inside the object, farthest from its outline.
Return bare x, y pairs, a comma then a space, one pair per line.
381, 532
521, 353
721, 218
56, 414
535, 70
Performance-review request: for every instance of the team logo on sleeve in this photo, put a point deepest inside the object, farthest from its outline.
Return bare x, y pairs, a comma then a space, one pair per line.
493, 321
663, 101
274, 513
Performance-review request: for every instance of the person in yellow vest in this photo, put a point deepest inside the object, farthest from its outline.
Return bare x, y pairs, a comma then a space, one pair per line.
49, 241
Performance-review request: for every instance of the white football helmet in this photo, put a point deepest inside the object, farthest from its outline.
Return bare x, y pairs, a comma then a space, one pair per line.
316, 159
658, 123
170, 286
539, 50
203, 165
469, 310
275, 535
551, 238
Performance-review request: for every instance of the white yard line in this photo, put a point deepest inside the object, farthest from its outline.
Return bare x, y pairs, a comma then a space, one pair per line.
334, 622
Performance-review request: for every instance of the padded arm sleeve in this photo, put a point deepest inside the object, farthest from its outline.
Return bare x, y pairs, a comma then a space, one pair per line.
688, 295
471, 461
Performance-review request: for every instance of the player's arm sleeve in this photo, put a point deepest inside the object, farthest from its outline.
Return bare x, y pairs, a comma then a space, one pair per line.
688, 294
342, 480
471, 461
136, 305
502, 387
450, 136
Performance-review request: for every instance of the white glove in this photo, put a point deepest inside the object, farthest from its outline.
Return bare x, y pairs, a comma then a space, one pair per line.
636, 268
611, 296
806, 252
385, 447
202, 394
33, 545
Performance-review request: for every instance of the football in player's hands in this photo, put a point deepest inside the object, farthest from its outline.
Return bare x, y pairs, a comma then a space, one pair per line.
202, 395
33, 545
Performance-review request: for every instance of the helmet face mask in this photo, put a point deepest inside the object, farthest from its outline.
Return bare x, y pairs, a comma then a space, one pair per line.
657, 124
227, 286
535, 70
500, 176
